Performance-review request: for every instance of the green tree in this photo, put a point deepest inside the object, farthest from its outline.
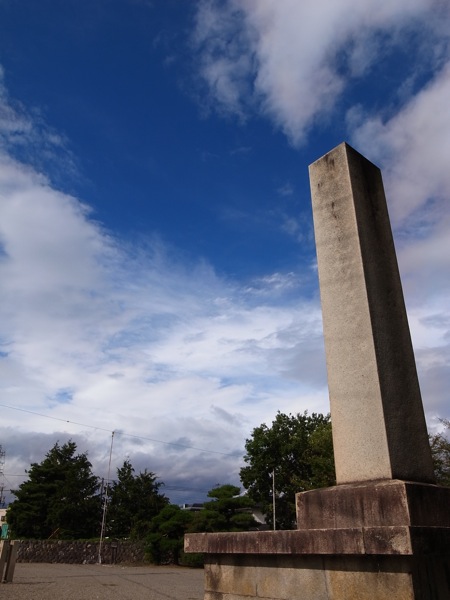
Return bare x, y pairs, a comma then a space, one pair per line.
228, 511
298, 450
133, 501
440, 451
59, 499
166, 537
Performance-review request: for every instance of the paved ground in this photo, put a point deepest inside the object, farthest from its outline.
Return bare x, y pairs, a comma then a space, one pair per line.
42, 581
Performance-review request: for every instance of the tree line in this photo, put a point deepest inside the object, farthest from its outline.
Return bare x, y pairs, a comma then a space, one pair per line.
63, 499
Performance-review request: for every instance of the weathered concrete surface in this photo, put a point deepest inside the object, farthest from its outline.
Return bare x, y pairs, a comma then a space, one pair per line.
103, 582
378, 504
379, 429
323, 541
356, 541
321, 578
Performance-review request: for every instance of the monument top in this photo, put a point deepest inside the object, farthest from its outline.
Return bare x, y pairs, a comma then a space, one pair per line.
379, 429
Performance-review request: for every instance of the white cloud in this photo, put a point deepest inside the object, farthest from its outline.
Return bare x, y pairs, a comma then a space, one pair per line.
413, 147
133, 339
301, 57
94, 335
99, 336
292, 60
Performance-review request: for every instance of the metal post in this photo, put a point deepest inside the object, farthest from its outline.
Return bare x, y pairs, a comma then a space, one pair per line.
105, 504
273, 500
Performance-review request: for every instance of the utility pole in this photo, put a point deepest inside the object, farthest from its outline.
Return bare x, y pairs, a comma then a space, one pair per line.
105, 503
2, 487
273, 499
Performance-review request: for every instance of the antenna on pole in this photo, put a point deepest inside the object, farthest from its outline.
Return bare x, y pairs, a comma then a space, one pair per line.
105, 503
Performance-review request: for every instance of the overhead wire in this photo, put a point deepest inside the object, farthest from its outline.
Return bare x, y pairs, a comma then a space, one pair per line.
118, 432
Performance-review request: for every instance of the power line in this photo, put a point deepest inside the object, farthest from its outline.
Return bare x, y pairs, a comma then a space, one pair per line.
140, 437
30, 412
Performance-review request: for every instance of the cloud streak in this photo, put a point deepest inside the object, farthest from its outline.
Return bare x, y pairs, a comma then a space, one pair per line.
98, 335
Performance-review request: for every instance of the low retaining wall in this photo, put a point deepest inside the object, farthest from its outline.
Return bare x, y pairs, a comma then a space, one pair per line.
78, 552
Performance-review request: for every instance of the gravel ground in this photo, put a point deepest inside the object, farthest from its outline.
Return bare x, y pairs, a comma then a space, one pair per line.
42, 581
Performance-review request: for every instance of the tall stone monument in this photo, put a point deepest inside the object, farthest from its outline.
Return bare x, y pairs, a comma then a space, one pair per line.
384, 531
379, 429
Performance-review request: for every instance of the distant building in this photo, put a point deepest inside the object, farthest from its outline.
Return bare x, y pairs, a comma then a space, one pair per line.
255, 511
192, 507
4, 524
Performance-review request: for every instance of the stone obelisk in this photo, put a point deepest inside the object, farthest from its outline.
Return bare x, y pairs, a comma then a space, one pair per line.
384, 531
379, 429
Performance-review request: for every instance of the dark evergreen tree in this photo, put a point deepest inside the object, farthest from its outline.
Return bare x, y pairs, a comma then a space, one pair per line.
60, 498
133, 502
298, 449
166, 534
228, 511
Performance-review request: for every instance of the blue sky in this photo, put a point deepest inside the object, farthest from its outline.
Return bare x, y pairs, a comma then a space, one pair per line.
157, 253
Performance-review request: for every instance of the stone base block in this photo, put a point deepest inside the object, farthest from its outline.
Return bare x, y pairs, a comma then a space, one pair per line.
237, 577
374, 504
367, 563
373, 541
400, 540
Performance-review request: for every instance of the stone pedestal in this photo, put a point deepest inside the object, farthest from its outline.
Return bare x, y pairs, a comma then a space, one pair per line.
381, 540
385, 503
383, 533
284, 577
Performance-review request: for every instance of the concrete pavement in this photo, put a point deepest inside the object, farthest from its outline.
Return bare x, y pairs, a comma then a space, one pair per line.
42, 581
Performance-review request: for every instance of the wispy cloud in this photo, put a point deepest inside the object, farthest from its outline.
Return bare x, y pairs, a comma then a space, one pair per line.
286, 189
241, 151
100, 335
292, 61
413, 148
93, 333
23, 131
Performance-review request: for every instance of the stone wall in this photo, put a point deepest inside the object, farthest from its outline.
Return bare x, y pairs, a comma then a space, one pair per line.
79, 552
